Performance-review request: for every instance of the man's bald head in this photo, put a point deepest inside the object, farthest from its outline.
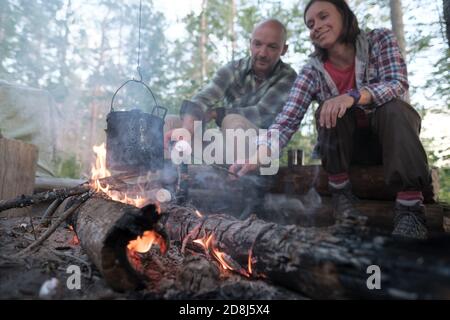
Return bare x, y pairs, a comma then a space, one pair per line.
274, 24
267, 45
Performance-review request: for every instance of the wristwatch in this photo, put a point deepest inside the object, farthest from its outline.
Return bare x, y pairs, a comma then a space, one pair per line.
354, 93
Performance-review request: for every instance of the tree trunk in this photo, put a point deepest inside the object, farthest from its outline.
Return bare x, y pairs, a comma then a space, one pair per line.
397, 24
203, 40
398, 28
232, 30
447, 19
321, 263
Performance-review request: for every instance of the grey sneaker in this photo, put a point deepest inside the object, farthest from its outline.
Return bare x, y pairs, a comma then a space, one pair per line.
410, 221
343, 201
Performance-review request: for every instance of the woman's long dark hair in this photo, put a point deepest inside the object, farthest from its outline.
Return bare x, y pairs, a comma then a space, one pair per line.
350, 28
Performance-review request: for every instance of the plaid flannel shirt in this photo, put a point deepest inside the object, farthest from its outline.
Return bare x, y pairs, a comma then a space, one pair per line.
380, 69
234, 90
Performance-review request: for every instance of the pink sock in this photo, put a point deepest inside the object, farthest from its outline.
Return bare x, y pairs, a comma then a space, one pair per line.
339, 180
409, 198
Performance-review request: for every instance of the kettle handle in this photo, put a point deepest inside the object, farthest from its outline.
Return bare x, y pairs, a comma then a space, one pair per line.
159, 108
140, 82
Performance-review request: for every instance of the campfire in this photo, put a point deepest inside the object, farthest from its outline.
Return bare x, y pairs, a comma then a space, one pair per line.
144, 242
139, 234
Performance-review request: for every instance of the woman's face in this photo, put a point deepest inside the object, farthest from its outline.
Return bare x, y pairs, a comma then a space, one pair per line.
324, 23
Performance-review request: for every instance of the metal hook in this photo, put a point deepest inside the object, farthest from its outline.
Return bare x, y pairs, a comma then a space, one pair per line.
139, 73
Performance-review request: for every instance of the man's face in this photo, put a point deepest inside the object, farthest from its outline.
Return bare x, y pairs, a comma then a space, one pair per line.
266, 46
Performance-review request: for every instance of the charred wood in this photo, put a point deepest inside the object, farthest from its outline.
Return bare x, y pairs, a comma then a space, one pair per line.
28, 200
328, 262
51, 195
104, 228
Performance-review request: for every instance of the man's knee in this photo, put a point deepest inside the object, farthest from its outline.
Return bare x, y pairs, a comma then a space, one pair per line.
236, 121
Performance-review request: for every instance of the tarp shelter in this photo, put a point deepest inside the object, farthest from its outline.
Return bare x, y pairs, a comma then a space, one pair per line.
29, 115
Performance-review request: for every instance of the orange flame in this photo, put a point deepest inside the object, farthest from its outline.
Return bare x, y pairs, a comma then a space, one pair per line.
100, 171
220, 257
207, 243
75, 240
250, 261
143, 244
204, 242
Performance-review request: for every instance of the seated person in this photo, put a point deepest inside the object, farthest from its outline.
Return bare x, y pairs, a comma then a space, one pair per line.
250, 91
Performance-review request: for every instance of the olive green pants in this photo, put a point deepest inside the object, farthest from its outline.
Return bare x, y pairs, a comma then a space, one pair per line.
391, 140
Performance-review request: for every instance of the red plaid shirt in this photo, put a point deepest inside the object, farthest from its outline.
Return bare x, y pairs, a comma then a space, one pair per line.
380, 69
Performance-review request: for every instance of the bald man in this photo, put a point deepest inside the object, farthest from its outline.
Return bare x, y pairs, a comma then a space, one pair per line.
247, 93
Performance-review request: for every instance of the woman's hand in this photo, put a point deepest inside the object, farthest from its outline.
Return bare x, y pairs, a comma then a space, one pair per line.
334, 108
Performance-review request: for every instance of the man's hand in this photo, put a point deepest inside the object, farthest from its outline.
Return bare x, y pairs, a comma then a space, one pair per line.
334, 108
242, 169
210, 115
168, 136
251, 164
188, 124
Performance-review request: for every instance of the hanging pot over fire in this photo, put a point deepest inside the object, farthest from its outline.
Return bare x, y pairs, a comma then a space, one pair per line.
135, 139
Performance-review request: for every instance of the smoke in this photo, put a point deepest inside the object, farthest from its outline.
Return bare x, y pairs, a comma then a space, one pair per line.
304, 210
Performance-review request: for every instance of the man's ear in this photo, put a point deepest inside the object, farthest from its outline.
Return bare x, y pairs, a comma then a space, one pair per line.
285, 48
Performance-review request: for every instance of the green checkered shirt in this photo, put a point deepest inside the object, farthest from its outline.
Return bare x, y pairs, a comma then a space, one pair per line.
234, 88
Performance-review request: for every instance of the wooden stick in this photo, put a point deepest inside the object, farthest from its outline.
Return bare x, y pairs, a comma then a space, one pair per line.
54, 226
46, 218
25, 201
28, 200
32, 227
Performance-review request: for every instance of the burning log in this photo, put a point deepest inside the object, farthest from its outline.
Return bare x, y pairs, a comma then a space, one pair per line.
106, 230
193, 276
322, 263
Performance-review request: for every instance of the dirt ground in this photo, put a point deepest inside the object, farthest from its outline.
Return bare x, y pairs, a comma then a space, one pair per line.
171, 277
22, 278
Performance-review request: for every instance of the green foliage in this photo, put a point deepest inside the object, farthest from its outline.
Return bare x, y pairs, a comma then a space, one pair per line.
440, 82
68, 167
444, 181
